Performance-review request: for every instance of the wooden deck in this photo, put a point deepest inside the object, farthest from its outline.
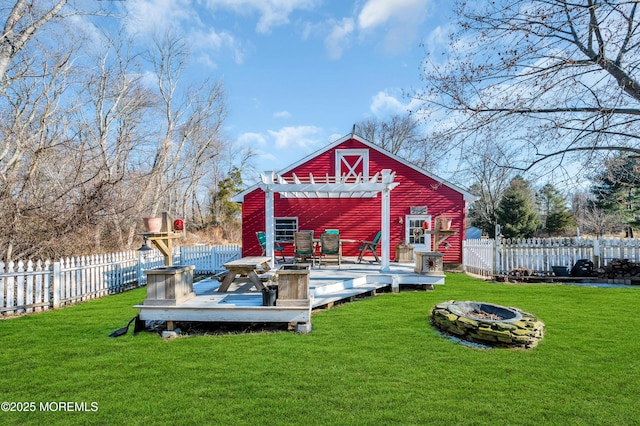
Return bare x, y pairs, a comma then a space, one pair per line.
328, 285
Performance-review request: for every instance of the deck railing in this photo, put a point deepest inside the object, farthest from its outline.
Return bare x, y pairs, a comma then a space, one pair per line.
27, 287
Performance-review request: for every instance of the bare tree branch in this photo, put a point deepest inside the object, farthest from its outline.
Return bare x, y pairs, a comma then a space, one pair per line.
546, 75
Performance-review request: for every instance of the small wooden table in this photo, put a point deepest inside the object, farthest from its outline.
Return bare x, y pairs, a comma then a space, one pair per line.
246, 267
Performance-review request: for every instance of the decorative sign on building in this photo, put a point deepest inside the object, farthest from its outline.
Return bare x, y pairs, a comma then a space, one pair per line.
418, 210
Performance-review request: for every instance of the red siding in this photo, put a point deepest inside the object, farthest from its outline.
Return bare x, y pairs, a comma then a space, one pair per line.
359, 218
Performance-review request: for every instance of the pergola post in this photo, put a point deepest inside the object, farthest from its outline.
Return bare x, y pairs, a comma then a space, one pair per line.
385, 215
384, 260
269, 217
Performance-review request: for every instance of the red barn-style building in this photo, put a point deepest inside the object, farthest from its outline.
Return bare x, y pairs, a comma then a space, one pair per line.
358, 188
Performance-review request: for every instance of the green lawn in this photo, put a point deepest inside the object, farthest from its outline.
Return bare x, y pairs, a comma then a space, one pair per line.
375, 361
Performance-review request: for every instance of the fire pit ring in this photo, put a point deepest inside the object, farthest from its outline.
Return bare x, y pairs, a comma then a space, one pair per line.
488, 324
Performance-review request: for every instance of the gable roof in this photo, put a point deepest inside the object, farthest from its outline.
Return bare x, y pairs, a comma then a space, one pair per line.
239, 198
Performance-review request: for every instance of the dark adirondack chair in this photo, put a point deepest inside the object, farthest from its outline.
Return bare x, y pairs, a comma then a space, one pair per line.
262, 239
330, 247
303, 248
369, 246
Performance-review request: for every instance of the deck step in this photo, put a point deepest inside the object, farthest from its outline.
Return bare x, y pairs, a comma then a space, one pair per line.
346, 293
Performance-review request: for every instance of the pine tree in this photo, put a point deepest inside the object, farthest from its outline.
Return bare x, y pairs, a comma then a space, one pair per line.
617, 189
516, 211
224, 212
553, 209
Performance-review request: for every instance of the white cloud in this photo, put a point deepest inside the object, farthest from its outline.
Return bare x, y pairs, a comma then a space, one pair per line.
252, 139
384, 104
401, 19
304, 137
377, 12
338, 38
282, 114
149, 17
207, 61
334, 137
272, 13
216, 42
439, 37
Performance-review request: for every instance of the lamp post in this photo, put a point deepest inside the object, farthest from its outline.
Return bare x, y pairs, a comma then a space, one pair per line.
143, 254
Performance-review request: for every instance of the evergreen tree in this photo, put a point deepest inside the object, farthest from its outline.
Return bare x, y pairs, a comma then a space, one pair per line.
516, 211
224, 212
617, 189
553, 209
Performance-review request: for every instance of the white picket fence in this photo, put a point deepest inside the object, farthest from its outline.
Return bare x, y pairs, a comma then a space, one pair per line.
478, 256
209, 259
486, 257
27, 287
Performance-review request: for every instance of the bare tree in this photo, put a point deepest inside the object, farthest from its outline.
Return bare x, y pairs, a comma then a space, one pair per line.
489, 182
591, 218
190, 137
89, 146
111, 126
34, 132
401, 135
26, 18
21, 24
553, 77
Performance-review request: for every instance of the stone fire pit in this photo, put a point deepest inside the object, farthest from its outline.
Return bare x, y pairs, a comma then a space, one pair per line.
488, 324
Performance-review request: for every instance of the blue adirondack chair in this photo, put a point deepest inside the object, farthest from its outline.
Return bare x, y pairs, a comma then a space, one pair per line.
277, 248
369, 246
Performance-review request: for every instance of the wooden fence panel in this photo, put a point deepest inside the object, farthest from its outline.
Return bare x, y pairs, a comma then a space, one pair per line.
209, 259
620, 248
541, 254
24, 288
479, 256
36, 286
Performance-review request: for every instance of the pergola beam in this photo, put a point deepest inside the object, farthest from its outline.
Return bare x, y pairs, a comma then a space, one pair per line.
339, 188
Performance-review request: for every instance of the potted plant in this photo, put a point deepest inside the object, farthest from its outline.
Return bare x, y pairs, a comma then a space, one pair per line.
152, 224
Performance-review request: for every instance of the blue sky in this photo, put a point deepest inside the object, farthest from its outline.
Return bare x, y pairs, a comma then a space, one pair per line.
299, 73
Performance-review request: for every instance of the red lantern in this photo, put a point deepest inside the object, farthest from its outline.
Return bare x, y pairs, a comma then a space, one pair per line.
425, 225
178, 225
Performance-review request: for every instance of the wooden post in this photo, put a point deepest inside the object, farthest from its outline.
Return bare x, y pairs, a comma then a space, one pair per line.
163, 240
496, 254
267, 178
436, 236
386, 203
439, 236
57, 272
596, 253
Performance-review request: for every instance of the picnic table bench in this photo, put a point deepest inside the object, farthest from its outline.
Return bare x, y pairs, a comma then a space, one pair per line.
246, 268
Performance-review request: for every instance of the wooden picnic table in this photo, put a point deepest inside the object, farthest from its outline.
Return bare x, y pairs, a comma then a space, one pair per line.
248, 267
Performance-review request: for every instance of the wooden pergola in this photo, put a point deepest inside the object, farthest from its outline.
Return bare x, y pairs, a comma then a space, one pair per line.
329, 187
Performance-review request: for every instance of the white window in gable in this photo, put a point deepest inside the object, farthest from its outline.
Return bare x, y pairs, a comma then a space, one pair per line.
352, 163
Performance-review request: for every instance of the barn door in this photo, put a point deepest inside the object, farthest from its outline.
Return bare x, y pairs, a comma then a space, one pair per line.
351, 163
414, 235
